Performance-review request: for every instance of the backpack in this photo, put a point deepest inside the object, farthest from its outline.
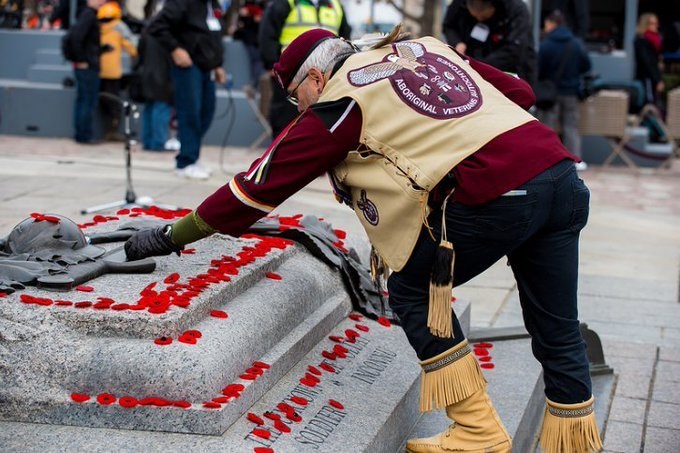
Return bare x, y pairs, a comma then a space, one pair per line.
67, 45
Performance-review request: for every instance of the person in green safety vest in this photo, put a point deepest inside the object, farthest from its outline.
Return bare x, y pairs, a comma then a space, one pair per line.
282, 22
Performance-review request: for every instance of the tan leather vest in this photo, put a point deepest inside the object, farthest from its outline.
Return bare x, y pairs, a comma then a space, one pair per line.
424, 110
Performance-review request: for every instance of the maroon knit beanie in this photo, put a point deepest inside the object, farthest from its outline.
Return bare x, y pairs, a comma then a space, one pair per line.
296, 53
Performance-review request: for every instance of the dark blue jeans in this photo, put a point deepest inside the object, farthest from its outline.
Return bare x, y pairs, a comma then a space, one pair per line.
537, 227
87, 92
155, 125
195, 106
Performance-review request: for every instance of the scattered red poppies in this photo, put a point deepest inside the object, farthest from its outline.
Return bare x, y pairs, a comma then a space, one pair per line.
79, 397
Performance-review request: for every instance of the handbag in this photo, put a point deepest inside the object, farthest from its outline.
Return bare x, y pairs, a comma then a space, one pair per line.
546, 89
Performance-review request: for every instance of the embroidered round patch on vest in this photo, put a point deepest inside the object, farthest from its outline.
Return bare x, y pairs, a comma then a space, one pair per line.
429, 83
368, 208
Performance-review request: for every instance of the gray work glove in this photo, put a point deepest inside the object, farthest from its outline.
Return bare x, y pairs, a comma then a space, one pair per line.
151, 242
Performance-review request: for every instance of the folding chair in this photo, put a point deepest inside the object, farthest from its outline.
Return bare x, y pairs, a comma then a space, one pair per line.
651, 111
606, 114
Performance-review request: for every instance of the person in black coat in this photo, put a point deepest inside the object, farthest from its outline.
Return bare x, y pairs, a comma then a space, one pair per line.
647, 47
497, 32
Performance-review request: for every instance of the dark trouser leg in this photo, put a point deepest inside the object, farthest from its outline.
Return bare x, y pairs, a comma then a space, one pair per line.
188, 97
87, 88
546, 270
208, 101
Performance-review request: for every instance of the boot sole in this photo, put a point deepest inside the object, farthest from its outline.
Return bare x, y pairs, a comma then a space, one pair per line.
500, 448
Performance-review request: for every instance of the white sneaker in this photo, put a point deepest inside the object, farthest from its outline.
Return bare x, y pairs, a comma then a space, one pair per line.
204, 168
192, 171
173, 144
580, 166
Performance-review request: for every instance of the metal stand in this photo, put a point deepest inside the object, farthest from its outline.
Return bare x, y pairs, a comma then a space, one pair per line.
130, 112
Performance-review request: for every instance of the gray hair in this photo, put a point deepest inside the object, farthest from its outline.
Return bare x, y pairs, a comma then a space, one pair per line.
325, 54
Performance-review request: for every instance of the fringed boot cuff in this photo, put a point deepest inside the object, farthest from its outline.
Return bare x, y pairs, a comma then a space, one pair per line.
570, 428
449, 377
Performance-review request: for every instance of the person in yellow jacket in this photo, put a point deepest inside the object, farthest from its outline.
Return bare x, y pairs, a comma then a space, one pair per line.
282, 22
115, 37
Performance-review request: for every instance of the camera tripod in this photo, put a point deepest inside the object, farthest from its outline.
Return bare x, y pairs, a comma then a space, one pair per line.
130, 113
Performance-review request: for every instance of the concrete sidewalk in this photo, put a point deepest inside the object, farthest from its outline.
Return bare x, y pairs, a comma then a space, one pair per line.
630, 257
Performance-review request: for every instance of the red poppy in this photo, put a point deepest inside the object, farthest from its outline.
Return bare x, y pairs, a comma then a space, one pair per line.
3, 294
187, 339
285, 407
212, 405
453, 298
314, 370
355, 316
273, 276
263, 450
27, 299
158, 310
51, 218
352, 334
182, 404
123, 212
79, 397
488, 366
233, 390
120, 307
85, 289
336, 404
311, 377
272, 416
327, 367
102, 305
340, 234
336, 338
136, 307
264, 366
255, 370
193, 333
248, 376
43, 301
172, 278
329, 355
128, 401
481, 352
219, 314
293, 416
106, 399
221, 399
486, 358
63, 303
282, 427
340, 349
188, 251
483, 345
299, 400
83, 304
263, 433
162, 341
255, 419
362, 327
99, 219
384, 321
308, 382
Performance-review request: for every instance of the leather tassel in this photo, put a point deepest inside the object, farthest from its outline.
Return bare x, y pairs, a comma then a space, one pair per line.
570, 428
439, 317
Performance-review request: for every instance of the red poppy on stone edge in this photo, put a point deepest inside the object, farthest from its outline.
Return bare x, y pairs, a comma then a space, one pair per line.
384, 321
263, 450
311, 377
163, 341
336, 338
255, 418
483, 345
329, 355
285, 407
188, 251
299, 400
340, 349
79, 397
3, 294
280, 426
351, 334
336, 404
481, 352
187, 339
263, 433
486, 358
106, 399
182, 404
193, 333
128, 401
340, 234
219, 314
212, 405
248, 376
172, 278
314, 370
83, 304
63, 303
362, 327
120, 307
221, 399
488, 366
293, 416
308, 382
355, 316
255, 370
264, 366
272, 416
327, 367
84, 288
123, 212
273, 276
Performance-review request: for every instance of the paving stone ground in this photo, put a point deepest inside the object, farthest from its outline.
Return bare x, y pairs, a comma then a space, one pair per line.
630, 257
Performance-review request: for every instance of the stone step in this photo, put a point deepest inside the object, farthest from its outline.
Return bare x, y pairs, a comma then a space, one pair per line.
49, 73
50, 57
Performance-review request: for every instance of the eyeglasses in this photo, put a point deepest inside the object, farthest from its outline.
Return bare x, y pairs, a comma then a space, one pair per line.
292, 97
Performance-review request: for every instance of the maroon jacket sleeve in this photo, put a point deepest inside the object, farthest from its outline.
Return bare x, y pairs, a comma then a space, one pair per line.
311, 145
514, 88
